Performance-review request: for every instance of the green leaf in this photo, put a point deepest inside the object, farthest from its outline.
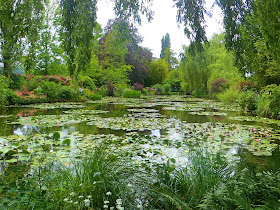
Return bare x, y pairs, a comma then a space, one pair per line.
66, 141
56, 136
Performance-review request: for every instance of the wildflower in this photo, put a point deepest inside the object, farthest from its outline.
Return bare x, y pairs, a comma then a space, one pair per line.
72, 194
119, 207
119, 201
108, 193
87, 202
139, 206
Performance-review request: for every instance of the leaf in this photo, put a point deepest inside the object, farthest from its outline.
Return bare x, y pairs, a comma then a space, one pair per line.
66, 141
56, 136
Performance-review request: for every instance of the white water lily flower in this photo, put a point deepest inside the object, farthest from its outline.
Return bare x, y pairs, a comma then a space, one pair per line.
72, 194
119, 201
65, 199
105, 207
106, 202
80, 196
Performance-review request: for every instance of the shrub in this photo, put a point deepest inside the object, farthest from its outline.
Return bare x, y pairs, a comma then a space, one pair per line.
138, 86
217, 86
162, 89
269, 103
91, 95
51, 89
149, 91
66, 93
127, 93
31, 99
87, 83
229, 96
17, 81
248, 101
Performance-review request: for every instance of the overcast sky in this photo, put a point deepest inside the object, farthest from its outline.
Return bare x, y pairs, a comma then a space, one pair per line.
164, 21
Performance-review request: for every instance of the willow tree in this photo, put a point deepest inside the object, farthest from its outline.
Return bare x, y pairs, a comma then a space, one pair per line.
78, 19
18, 20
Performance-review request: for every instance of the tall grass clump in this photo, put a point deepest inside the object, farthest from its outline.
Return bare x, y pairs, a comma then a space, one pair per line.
185, 188
97, 181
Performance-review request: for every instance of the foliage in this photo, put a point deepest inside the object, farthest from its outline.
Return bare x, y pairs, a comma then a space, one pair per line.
217, 85
16, 81
173, 78
78, 19
194, 70
138, 86
92, 95
19, 21
269, 104
248, 101
158, 71
165, 43
4, 83
229, 96
28, 99
245, 190
191, 14
33, 81
127, 93
185, 188
87, 82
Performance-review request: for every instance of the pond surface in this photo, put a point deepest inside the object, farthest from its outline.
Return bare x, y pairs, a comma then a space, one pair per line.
151, 128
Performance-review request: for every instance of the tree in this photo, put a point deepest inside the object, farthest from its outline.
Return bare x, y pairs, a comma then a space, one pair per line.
158, 71
18, 20
78, 19
165, 43
191, 14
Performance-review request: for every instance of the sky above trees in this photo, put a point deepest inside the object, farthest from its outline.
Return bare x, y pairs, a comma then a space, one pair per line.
164, 22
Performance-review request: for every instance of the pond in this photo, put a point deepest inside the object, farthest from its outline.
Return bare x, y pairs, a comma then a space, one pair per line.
151, 129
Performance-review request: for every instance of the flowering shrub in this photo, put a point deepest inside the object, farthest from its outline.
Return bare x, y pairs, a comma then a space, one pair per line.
92, 95
138, 86
63, 80
217, 85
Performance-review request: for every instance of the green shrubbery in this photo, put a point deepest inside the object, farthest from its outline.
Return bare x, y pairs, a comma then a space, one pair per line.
4, 83
127, 93
265, 104
91, 95
248, 101
269, 102
229, 96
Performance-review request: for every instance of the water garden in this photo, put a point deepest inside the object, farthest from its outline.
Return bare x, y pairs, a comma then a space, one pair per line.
156, 152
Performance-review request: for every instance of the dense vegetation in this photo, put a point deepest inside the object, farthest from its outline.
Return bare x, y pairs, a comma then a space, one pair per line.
56, 51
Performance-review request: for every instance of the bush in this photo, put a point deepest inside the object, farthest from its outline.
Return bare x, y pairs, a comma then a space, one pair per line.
87, 83
17, 81
217, 86
51, 90
31, 99
149, 91
162, 89
269, 103
91, 95
229, 96
127, 93
248, 101
66, 93
138, 86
